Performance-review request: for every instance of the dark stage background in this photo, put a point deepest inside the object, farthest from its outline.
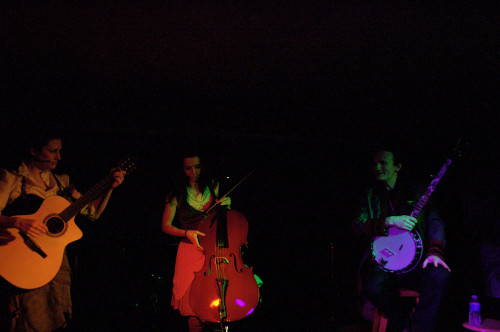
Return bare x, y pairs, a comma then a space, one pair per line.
300, 91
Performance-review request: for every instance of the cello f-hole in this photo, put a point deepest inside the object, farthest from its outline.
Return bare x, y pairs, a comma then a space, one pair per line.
235, 264
207, 273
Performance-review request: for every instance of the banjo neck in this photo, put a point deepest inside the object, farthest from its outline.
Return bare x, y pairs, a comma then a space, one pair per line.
430, 189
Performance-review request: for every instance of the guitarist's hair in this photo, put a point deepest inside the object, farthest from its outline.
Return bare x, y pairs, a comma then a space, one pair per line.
37, 139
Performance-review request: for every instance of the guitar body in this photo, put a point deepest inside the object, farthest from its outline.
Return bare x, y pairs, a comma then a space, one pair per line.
24, 267
398, 252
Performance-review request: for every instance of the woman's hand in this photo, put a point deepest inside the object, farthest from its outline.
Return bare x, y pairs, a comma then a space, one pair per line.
30, 227
192, 236
402, 222
225, 201
118, 176
5, 237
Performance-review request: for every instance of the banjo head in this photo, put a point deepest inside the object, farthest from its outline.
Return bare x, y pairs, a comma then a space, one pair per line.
398, 252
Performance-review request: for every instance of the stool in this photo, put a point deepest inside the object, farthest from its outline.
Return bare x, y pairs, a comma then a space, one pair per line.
380, 319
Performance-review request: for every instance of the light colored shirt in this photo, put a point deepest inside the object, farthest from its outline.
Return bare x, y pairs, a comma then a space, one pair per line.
199, 201
11, 187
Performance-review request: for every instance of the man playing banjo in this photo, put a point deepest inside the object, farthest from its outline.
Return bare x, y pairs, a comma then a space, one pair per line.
386, 207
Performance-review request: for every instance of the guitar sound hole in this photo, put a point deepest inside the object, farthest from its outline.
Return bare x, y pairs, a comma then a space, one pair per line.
55, 225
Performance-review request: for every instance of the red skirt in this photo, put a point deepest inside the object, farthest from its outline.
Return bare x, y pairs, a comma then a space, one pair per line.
189, 260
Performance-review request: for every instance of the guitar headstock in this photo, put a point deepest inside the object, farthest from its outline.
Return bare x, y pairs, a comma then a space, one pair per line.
127, 165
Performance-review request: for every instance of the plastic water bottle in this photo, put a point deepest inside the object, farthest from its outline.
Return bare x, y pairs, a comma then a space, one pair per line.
474, 311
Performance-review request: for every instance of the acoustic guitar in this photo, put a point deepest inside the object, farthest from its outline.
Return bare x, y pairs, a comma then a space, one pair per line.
30, 263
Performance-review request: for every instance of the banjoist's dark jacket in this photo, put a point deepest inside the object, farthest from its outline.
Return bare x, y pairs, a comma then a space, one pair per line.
379, 203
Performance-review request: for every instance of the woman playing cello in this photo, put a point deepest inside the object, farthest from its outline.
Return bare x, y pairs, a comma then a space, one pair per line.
189, 200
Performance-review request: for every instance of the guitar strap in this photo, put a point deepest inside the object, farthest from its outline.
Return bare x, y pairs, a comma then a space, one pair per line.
30, 203
63, 191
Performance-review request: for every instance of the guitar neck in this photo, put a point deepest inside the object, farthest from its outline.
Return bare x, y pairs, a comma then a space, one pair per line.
86, 198
430, 189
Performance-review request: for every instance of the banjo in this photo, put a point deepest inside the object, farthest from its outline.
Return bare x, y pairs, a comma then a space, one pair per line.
401, 250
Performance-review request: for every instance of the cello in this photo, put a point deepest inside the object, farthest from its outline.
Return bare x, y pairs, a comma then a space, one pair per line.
225, 289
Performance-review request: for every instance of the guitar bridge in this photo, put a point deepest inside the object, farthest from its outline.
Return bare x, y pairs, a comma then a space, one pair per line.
32, 245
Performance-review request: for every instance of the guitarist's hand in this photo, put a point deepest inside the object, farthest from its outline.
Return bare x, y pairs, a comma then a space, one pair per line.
436, 261
5, 237
30, 227
192, 236
402, 222
118, 176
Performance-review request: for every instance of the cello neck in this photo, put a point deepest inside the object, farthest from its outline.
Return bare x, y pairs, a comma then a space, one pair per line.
221, 235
